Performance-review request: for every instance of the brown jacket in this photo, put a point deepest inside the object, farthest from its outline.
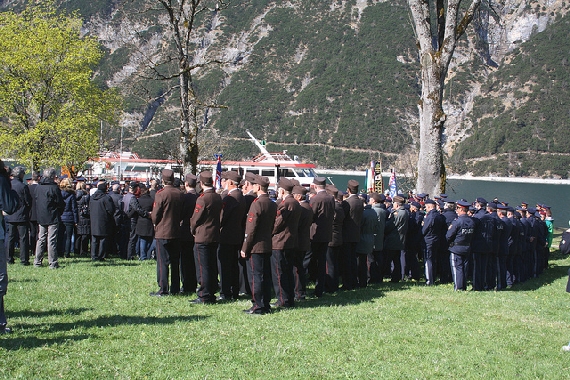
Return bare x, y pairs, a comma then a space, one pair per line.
323, 216
286, 228
167, 213
232, 218
205, 222
305, 221
259, 225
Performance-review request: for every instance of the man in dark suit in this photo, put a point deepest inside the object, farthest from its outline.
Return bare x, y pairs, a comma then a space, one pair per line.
256, 247
101, 212
284, 244
166, 215
353, 209
49, 206
303, 241
231, 236
322, 204
205, 226
18, 224
249, 196
143, 227
187, 263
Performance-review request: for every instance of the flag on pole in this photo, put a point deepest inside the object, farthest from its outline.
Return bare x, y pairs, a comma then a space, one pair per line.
370, 176
393, 184
218, 182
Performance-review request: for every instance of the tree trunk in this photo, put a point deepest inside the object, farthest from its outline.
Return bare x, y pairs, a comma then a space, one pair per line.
431, 170
438, 28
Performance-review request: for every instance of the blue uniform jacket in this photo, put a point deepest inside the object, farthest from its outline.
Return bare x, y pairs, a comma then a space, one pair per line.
460, 234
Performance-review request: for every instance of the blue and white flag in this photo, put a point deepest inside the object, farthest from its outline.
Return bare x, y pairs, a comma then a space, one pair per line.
370, 177
393, 184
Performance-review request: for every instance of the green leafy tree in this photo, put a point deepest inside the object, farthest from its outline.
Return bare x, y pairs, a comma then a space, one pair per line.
50, 109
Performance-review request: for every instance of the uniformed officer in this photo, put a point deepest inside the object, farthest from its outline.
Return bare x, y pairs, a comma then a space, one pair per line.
322, 204
303, 241
482, 243
205, 225
187, 262
503, 247
166, 216
432, 230
353, 209
284, 244
459, 236
256, 247
231, 235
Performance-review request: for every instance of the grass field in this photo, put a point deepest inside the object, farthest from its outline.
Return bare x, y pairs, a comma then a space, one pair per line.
94, 321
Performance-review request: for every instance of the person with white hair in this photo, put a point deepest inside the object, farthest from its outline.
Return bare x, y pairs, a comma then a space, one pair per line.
49, 206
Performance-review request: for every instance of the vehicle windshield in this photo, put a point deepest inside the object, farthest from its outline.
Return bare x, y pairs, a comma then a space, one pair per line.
305, 173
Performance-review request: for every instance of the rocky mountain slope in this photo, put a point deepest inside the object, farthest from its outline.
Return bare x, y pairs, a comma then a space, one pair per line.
336, 83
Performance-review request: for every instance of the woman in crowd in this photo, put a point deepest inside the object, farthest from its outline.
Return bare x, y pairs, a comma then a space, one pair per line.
69, 218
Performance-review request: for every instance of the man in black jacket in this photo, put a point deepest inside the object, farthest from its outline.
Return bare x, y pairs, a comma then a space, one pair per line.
18, 224
101, 212
49, 206
8, 204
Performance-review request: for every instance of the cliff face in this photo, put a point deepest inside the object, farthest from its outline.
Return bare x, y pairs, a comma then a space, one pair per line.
334, 82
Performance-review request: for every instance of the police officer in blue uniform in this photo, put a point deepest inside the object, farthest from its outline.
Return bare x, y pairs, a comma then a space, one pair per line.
459, 236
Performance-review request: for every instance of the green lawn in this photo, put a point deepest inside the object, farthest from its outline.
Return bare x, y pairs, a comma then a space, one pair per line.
93, 321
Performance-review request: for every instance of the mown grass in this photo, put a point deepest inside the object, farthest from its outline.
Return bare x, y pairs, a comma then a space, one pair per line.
93, 321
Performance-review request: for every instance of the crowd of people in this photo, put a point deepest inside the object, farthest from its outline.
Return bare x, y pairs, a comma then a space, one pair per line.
243, 239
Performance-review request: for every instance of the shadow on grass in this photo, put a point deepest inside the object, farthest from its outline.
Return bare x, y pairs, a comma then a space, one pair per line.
116, 263
14, 342
548, 276
47, 313
354, 297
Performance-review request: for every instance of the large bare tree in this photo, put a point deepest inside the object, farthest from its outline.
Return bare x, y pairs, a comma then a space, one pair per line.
439, 24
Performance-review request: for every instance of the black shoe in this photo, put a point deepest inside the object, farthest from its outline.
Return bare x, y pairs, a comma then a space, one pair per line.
224, 299
253, 311
25, 263
200, 301
5, 330
11, 261
158, 294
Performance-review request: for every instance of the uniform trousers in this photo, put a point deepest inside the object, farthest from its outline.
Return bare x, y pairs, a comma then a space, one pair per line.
412, 268
282, 276
187, 267
206, 270
47, 238
349, 265
444, 265
229, 270
375, 267
479, 270
393, 257
501, 271
491, 275
259, 273
429, 259
21, 230
362, 269
133, 247
331, 281
299, 275
510, 265
168, 257
319, 250
244, 277
458, 265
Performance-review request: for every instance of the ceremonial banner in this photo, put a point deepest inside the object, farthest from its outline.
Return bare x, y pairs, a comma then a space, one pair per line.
393, 184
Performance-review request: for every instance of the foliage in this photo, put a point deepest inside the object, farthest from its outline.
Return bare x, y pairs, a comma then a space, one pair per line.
49, 106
